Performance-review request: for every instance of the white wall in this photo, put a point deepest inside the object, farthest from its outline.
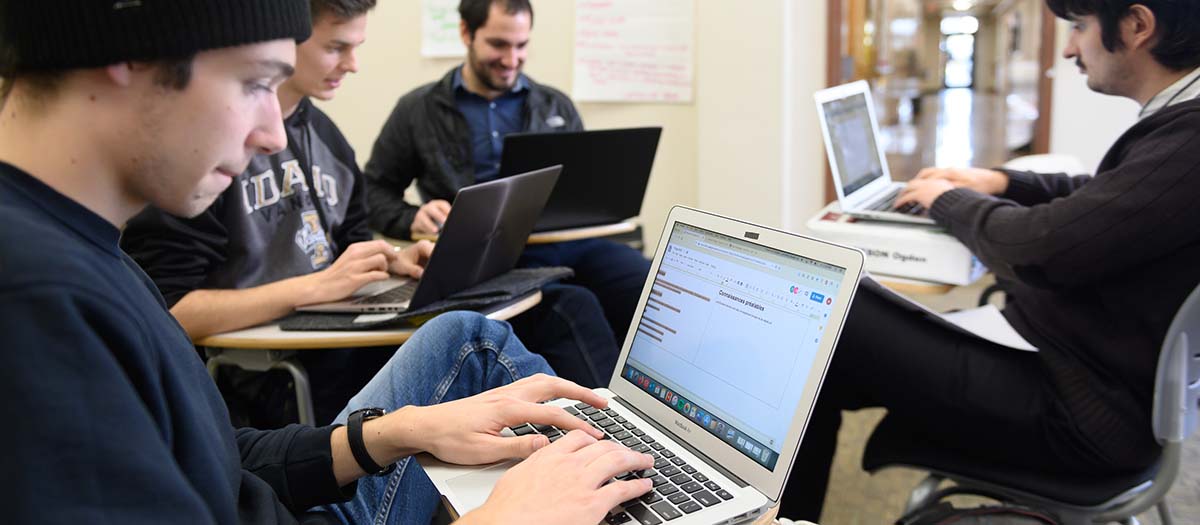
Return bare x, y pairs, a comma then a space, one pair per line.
748, 146
1084, 123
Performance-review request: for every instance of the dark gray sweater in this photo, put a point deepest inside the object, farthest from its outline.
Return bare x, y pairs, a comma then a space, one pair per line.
1095, 268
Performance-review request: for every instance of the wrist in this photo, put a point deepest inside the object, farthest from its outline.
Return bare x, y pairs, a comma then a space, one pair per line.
997, 182
394, 436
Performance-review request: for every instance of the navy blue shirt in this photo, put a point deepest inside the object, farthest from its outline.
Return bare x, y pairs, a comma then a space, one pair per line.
490, 121
117, 418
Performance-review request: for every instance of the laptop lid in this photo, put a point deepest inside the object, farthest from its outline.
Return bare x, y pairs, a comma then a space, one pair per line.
484, 234
731, 339
851, 133
604, 176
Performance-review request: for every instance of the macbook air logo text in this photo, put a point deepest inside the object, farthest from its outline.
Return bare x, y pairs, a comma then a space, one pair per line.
681, 426
752, 235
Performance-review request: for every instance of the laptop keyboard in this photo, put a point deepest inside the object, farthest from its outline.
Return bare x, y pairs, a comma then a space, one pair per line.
888, 202
398, 294
679, 488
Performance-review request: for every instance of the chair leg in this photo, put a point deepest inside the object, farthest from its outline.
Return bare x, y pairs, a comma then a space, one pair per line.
1164, 513
920, 494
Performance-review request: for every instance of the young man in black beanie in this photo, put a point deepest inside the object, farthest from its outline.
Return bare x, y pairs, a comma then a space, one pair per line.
109, 106
292, 231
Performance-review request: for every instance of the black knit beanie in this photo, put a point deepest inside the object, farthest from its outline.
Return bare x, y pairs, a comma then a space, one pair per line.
74, 34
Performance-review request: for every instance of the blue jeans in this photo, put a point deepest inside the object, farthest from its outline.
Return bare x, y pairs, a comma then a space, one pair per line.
455, 355
614, 272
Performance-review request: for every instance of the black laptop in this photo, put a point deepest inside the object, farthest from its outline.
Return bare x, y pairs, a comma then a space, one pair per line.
604, 173
483, 237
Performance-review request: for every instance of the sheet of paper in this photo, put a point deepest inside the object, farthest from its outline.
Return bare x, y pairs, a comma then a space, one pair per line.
634, 51
985, 322
439, 29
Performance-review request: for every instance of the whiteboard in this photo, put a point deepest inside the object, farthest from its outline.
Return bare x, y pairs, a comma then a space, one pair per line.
439, 29
634, 51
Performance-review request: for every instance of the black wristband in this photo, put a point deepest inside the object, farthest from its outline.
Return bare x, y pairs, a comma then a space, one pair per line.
354, 434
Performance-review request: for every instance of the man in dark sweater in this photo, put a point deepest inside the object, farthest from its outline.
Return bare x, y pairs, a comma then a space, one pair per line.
119, 420
291, 230
449, 134
1094, 268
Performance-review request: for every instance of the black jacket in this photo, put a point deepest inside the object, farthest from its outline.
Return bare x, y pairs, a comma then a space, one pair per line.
427, 139
1096, 267
288, 214
115, 417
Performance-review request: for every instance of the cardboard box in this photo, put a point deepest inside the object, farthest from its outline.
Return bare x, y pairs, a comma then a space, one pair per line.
912, 251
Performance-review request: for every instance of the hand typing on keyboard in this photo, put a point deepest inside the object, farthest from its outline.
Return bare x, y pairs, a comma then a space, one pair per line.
467, 431
922, 192
360, 264
568, 482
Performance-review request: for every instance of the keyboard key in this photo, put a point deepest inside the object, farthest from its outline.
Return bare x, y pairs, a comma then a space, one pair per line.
543, 428
641, 448
724, 494
680, 479
618, 518
637, 432
654, 454
610, 412
690, 507
582, 406
666, 453
628, 425
642, 515
556, 438
571, 410
711, 485
679, 497
590, 410
598, 416
701, 477
660, 463
689, 469
690, 487
523, 430
669, 471
606, 424
668, 489
621, 436
648, 473
630, 442
705, 497
665, 510
659, 480
619, 419
647, 439
678, 461
651, 497
553, 433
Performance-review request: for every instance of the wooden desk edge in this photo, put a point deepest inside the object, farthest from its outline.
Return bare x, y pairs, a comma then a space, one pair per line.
914, 287
349, 338
572, 234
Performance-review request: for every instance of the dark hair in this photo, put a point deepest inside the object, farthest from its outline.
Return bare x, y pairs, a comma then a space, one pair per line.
475, 12
340, 9
172, 74
1178, 47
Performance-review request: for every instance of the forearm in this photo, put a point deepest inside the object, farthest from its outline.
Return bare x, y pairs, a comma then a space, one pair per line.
388, 439
206, 312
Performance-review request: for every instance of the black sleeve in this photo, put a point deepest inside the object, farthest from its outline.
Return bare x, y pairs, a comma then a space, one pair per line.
83, 447
1028, 188
354, 227
297, 462
176, 253
393, 165
1141, 209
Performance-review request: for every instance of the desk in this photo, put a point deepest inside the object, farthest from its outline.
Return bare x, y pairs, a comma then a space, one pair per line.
573, 234
267, 347
913, 286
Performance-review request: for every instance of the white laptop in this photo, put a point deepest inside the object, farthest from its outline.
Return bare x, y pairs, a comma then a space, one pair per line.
730, 342
865, 189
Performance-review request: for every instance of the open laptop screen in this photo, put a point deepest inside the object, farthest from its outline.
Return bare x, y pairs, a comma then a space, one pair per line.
729, 334
852, 139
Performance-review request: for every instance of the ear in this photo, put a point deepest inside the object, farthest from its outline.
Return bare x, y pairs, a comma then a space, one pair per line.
120, 74
1139, 28
464, 33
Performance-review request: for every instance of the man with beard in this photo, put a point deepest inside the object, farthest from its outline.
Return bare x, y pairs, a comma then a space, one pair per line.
448, 134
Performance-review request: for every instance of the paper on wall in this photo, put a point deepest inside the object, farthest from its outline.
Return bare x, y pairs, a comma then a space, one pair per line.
439, 29
634, 51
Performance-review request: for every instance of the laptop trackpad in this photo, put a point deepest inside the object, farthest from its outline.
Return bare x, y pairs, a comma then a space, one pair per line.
471, 490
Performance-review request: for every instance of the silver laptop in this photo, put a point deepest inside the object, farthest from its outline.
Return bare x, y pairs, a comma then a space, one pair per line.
730, 342
865, 189
483, 237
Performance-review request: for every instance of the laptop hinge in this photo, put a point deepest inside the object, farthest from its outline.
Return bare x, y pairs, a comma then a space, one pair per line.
680, 442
